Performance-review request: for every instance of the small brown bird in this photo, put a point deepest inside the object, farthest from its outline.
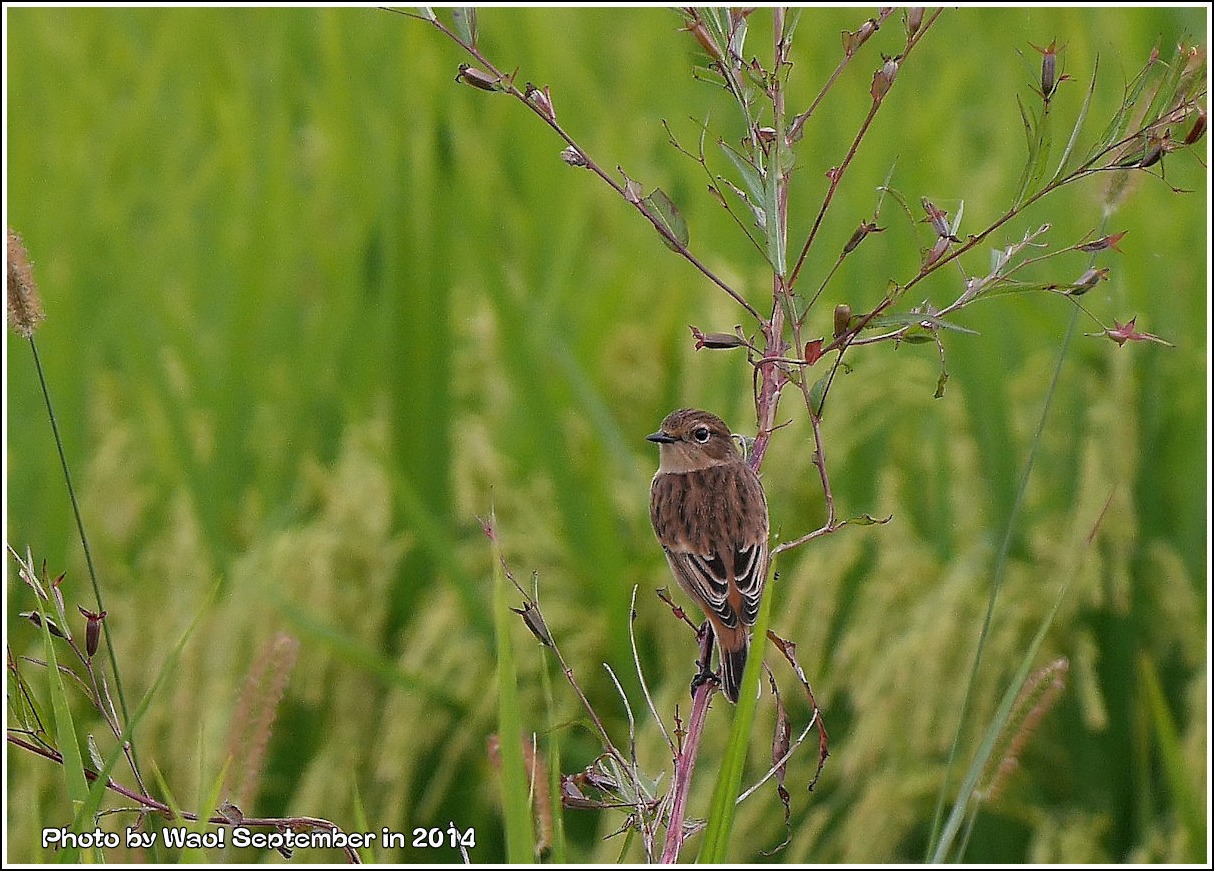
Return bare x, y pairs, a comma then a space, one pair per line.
710, 516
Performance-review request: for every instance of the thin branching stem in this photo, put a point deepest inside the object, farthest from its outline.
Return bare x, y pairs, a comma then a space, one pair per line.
506, 85
836, 176
636, 661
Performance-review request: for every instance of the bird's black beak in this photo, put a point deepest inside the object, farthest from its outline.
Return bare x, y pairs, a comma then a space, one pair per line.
661, 438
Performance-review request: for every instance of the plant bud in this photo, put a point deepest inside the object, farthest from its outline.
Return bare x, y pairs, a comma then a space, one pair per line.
1157, 146
36, 618
938, 218
697, 29
842, 318
716, 341
1089, 280
1103, 243
883, 79
937, 251
573, 157
853, 41
1198, 130
92, 631
914, 20
860, 235
1049, 69
477, 78
542, 100
535, 622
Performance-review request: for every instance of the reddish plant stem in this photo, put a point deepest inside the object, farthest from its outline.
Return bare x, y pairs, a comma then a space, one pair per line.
837, 176
685, 762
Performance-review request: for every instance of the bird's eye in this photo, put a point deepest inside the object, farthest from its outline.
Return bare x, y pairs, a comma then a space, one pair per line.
701, 434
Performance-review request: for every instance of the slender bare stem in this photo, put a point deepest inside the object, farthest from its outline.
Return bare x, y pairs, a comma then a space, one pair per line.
685, 763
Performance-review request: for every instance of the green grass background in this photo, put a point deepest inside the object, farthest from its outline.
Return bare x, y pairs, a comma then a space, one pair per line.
313, 307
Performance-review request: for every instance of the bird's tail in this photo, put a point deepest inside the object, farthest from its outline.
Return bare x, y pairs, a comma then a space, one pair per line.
733, 662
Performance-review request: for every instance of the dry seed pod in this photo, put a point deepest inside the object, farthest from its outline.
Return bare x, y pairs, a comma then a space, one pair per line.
477, 78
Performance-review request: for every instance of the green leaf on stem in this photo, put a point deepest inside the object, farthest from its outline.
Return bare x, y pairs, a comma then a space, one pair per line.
663, 208
817, 394
65, 733
464, 18
516, 802
1079, 120
916, 319
752, 179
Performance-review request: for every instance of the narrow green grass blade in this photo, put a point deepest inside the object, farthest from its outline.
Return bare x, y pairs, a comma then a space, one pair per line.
362, 824
516, 804
997, 726
93, 803
751, 179
559, 854
188, 855
210, 803
65, 736
1031, 140
1175, 772
941, 840
435, 536
729, 779
776, 242
358, 654
1079, 120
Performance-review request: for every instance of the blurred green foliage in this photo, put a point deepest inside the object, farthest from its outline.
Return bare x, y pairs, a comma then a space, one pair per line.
313, 307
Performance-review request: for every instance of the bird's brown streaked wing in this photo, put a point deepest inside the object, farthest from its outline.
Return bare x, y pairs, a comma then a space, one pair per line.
751, 563
706, 579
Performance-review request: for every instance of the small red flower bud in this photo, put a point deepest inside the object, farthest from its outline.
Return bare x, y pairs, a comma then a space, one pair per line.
1127, 332
1103, 243
1049, 69
92, 631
